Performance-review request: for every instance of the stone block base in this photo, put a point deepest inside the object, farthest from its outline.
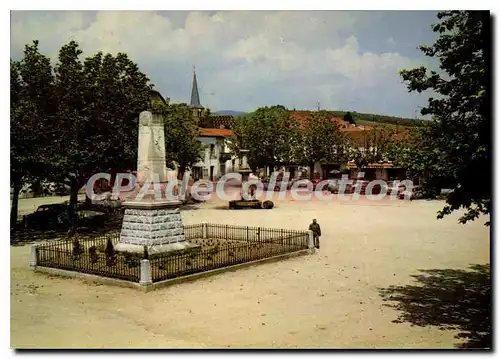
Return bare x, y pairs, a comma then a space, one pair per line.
156, 225
152, 226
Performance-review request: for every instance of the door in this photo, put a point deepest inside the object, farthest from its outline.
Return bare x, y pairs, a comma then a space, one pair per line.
211, 173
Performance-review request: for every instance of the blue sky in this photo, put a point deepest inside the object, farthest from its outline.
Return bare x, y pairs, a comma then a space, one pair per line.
346, 60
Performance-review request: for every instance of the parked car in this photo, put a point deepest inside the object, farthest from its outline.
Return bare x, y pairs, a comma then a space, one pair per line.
416, 193
277, 186
333, 187
89, 218
47, 216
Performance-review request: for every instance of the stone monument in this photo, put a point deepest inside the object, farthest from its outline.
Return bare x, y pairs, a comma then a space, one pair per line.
151, 148
148, 220
244, 170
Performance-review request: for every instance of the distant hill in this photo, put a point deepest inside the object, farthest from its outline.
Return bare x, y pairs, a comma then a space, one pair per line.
359, 118
230, 112
372, 119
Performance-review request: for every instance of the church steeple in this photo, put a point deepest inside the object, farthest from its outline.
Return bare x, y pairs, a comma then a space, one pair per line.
195, 96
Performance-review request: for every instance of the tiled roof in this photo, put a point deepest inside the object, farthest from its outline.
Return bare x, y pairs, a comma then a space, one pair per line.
359, 136
222, 120
229, 117
215, 132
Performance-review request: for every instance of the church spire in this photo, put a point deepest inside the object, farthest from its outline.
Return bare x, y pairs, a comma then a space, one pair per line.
195, 96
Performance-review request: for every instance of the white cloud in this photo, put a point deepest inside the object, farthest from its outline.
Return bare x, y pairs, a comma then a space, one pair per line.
246, 59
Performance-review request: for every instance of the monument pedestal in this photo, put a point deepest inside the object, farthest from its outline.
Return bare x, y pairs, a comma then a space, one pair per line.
156, 225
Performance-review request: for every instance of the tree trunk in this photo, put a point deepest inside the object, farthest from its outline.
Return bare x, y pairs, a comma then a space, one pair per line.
88, 201
180, 172
311, 171
73, 202
112, 180
15, 205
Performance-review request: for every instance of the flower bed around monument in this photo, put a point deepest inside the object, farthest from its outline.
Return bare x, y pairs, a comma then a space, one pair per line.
218, 246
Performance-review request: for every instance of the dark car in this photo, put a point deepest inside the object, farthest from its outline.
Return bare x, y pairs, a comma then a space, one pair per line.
416, 193
89, 218
47, 216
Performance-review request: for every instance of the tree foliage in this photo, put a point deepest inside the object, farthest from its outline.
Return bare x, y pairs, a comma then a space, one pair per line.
321, 141
32, 105
348, 117
418, 154
269, 133
461, 129
89, 113
374, 146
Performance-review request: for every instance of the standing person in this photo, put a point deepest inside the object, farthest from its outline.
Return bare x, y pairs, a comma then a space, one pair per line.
316, 229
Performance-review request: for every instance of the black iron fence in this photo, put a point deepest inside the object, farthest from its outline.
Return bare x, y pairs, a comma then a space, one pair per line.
90, 256
215, 246
226, 245
289, 237
193, 231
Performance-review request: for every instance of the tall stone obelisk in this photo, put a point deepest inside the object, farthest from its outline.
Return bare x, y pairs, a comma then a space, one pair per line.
151, 219
151, 148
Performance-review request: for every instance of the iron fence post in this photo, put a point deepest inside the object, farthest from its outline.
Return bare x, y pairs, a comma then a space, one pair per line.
145, 273
33, 258
310, 241
204, 230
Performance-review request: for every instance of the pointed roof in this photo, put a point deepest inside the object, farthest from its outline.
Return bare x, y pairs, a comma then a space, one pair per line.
195, 96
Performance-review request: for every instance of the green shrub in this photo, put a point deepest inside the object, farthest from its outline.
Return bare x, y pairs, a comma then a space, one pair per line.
94, 258
110, 253
77, 249
132, 259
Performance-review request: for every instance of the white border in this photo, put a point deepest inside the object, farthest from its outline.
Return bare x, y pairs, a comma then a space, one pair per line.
253, 5
199, 5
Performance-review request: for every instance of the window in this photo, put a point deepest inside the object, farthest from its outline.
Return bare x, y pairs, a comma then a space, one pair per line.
212, 151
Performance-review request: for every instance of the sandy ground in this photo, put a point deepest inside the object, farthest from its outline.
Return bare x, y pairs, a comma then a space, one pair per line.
326, 300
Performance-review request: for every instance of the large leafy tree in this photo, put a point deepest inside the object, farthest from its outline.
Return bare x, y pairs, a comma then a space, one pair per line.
95, 127
321, 141
182, 145
33, 106
371, 146
418, 154
270, 134
461, 128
